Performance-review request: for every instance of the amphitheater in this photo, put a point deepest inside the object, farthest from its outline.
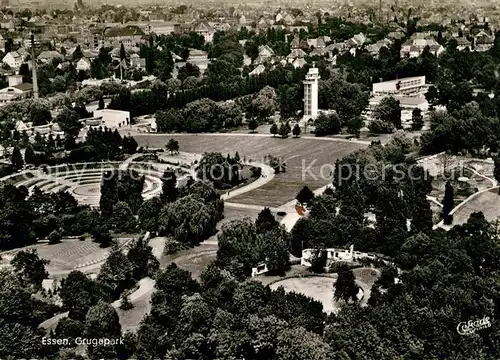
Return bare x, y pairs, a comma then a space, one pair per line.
83, 180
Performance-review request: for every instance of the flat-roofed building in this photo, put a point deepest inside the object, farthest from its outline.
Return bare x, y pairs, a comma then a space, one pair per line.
406, 86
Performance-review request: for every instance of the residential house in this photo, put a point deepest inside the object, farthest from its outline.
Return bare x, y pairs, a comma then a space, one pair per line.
129, 36
47, 56
198, 58
463, 43
265, 54
296, 54
258, 70
319, 42
206, 31
414, 47
483, 41
16, 90
13, 60
138, 62
83, 64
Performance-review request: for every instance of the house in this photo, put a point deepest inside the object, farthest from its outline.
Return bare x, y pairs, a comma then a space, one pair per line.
319, 42
206, 31
463, 43
198, 58
298, 63
13, 60
265, 54
83, 64
113, 119
483, 41
296, 53
138, 63
16, 90
47, 56
258, 70
129, 36
414, 47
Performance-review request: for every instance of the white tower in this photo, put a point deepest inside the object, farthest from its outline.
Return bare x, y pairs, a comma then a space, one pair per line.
311, 93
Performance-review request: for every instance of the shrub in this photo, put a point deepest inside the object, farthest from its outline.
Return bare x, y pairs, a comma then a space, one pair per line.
54, 237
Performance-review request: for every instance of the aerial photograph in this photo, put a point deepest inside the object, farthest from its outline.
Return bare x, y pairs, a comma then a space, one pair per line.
273, 180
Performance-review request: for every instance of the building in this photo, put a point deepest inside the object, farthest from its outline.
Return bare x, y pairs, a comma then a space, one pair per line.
17, 90
206, 31
340, 255
113, 119
13, 60
406, 86
415, 46
311, 93
83, 64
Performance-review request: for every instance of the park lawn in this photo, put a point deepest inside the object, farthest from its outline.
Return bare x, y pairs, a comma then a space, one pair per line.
300, 154
487, 202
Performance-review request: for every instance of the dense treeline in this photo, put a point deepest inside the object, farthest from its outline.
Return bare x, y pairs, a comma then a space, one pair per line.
160, 98
361, 180
202, 115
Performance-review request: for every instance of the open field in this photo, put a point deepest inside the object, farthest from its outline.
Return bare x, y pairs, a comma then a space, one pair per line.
488, 202
299, 154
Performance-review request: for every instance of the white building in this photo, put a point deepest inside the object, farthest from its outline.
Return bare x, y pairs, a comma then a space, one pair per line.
334, 255
406, 86
83, 64
311, 93
13, 59
113, 119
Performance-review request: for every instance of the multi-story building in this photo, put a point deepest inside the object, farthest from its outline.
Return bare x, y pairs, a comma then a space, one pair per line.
406, 86
311, 93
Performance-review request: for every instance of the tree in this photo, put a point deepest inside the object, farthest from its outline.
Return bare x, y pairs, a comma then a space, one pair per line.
30, 156
125, 303
252, 124
274, 129
102, 322
39, 114
389, 110
305, 195
327, 124
417, 120
30, 268
265, 221
296, 130
172, 146
169, 192
123, 54
122, 218
17, 159
345, 287
68, 120
101, 104
54, 237
448, 203
284, 130
77, 54
78, 293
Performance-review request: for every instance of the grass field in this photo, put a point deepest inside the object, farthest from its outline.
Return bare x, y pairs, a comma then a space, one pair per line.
487, 202
300, 154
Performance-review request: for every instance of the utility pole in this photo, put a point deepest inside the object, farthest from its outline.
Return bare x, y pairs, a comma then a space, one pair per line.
33, 62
